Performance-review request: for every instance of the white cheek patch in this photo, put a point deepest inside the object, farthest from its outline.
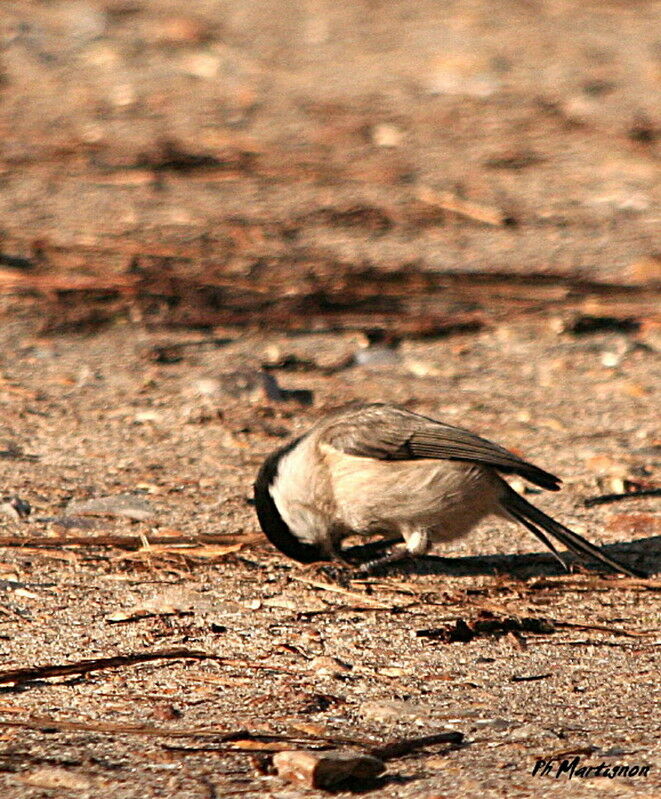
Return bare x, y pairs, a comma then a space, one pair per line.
292, 494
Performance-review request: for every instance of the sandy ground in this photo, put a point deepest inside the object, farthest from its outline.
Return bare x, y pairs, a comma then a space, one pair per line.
148, 148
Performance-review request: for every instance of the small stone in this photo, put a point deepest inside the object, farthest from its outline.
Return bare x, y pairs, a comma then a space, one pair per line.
610, 359
497, 724
529, 731
377, 356
326, 769
394, 710
462, 73
15, 507
393, 671
256, 386
101, 54
56, 779
208, 387
386, 135
202, 65
617, 485
580, 109
146, 417
122, 95
168, 603
328, 666
422, 368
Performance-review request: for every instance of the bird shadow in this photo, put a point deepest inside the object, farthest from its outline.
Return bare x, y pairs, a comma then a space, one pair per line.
643, 554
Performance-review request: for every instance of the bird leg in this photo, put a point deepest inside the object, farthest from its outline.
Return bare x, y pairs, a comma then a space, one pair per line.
396, 555
363, 553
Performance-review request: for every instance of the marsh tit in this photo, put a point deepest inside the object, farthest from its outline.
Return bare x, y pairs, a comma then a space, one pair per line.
415, 481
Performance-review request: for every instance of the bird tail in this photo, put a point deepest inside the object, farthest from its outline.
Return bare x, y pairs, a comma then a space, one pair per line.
533, 518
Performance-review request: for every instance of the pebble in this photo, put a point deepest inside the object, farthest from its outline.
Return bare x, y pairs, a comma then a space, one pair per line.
122, 95
526, 731
377, 356
462, 74
15, 507
203, 64
56, 779
328, 666
326, 769
498, 724
255, 386
395, 710
386, 135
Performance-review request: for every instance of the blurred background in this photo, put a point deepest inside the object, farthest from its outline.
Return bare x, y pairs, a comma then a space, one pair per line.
222, 219
268, 163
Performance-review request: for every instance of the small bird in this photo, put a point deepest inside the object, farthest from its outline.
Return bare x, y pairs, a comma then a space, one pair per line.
379, 469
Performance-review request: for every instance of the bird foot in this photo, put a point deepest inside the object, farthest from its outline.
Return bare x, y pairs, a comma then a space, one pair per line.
335, 572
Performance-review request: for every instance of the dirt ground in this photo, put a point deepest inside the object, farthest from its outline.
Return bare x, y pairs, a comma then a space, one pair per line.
449, 206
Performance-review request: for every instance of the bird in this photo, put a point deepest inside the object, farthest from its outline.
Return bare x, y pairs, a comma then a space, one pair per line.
381, 470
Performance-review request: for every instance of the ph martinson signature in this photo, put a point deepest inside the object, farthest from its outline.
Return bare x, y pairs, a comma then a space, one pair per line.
574, 768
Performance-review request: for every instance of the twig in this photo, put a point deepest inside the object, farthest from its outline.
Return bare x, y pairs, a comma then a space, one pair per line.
448, 201
170, 352
407, 745
121, 541
337, 589
603, 628
46, 724
241, 738
97, 664
588, 584
28, 673
603, 499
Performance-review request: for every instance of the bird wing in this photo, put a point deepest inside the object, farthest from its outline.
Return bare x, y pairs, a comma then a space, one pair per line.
388, 433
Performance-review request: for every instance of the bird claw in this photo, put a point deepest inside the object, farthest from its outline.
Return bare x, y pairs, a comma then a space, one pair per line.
382, 565
337, 573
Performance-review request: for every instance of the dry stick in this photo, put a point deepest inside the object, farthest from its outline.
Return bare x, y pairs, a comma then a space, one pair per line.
602, 499
337, 589
388, 751
603, 585
121, 541
448, 201
407, 745
493, 607
97, 664
46, 724
603, 628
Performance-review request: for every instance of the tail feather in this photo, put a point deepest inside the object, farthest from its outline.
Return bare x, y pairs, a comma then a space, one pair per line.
533, 518
542, 536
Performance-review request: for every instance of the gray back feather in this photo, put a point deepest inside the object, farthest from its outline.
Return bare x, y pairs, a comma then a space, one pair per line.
385, 432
